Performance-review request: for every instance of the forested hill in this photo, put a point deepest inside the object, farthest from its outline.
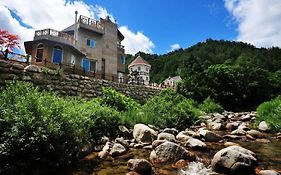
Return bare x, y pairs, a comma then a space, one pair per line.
209, 53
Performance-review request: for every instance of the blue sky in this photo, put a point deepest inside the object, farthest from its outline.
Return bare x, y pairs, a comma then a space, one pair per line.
154, 26
167, 22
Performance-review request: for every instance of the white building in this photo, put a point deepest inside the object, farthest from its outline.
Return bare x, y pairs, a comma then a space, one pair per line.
172, 81
139, 71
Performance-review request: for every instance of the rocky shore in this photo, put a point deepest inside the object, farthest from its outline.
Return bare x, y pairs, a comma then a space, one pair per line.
190, 151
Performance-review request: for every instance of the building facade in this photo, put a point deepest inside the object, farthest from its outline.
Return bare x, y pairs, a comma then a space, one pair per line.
172, 81
139, 71
89, 46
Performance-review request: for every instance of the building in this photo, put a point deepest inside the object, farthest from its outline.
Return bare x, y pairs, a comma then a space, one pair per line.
139, 71
172, 81
93, 47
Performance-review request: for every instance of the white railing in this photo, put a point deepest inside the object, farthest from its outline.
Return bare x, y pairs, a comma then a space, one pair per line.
91, 22
55, 33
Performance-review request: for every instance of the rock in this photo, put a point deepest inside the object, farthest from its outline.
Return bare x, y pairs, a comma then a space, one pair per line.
123, 142
182, 136
180, 164
32, 68
246, 117
268, 172
103, 154
263, 140
171, 131
107, 146
144, 134
132, 173
238, 132
234, 160
210, 136
232, 137
125, 131
232, 125
195, 144
117, 150
156, 143
169, 152
227, 144
256, 134
104, 140
166, 136
141, 166
215, 126
263, 126
148, 147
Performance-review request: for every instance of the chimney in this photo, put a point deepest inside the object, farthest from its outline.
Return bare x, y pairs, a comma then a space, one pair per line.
76, 26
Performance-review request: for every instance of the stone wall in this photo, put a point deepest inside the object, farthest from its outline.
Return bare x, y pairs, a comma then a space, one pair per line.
69, 85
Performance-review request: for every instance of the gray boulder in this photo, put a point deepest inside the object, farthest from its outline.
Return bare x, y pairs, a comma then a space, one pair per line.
144, 134
171, 131
234, 160
195, 144
169, 152
166, 136
210, 136
263, 126
183, 136
117, 150
141, 166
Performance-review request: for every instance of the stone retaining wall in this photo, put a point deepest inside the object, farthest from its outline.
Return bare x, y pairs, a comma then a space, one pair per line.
69, 85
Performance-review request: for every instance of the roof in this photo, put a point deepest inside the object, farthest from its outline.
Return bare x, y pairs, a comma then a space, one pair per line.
139, 61
175, 79
69, 28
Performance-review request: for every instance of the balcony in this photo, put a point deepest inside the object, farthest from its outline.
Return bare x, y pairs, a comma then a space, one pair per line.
54, 35
91, 24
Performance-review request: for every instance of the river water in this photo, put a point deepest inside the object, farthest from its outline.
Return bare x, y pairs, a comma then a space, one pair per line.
268, 154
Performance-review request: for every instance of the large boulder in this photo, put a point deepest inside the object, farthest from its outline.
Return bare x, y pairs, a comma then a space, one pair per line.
171, 131
209, 136
268, 172
169, 152
117, 150
232, 125
195, 144
141, 166
144, 134
166, 136
234, 160
263, 126
183, 136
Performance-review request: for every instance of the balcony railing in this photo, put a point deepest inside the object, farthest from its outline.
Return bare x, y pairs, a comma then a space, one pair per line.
54, 33
91, 22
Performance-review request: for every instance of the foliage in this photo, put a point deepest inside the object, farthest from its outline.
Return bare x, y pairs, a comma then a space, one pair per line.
209, 106
59, 71
170, 109
42, 130
8, 41
45, 70
117, 100
237, 75
270, 112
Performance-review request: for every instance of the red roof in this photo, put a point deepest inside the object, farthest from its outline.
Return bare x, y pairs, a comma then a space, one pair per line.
139, 61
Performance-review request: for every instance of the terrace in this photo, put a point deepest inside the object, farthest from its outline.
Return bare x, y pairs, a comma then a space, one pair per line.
54, 35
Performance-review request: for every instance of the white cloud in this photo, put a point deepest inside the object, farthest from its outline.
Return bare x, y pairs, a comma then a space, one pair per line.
258, 21
42, 14
174, 47
135, 42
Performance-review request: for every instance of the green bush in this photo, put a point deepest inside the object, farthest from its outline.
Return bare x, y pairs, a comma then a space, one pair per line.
209, 106
169, 109
42, 131
271, 113
117, 100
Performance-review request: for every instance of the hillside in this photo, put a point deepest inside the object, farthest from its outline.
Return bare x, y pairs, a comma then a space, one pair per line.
211, 52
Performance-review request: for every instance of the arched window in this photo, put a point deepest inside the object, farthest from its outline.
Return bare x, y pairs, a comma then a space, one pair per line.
39, 53
57, 54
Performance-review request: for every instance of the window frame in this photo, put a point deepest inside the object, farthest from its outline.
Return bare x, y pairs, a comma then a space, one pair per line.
54, 48
91, 43
41, 48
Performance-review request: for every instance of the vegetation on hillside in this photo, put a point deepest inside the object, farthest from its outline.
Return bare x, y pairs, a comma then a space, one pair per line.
236, 74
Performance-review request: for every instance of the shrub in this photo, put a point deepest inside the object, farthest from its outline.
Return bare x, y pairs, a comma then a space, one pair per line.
169, 109
117, 100
270, 112
210, 106
42, 131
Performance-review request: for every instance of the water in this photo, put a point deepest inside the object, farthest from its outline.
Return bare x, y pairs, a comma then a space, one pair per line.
268, 154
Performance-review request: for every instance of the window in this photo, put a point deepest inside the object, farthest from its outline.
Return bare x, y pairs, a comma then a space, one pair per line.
57, 54
122, 59
139, 68
72, 60
91, 43
89, 65
39, 53
146, 69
